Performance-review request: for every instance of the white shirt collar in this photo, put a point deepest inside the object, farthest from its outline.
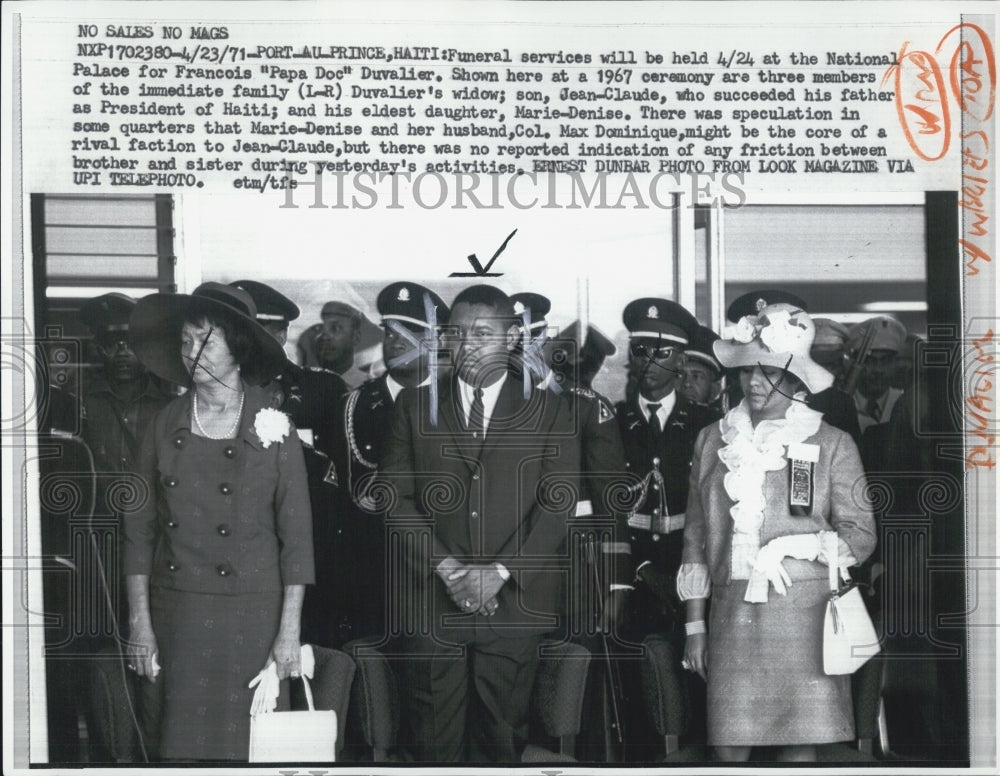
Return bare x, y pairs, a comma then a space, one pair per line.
666, 407
395, 386
490, 395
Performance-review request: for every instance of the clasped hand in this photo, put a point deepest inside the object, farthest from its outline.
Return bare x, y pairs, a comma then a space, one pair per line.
474, 587
768, 561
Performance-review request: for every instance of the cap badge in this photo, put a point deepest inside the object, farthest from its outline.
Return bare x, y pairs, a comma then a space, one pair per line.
760, 305
653, 311
404, 295
519, 308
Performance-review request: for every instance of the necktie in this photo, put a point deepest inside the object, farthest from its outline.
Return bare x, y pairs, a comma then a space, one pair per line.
872, 410
655, 429
477, 419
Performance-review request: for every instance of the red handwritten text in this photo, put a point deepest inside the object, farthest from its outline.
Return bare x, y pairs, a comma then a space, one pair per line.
979, 407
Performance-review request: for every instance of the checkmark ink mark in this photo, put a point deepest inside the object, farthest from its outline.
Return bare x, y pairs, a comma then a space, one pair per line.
480, 270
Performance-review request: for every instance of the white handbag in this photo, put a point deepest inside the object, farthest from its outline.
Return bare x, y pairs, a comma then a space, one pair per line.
294, 736
849, 638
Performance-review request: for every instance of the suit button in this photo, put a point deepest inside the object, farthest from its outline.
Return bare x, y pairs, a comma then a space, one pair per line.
656, 512
475, 476
224, 569
225, 489
172, 566
179, 442
655, 486
224, 529
656, 461
172, 524
475, 515
656, 537
229, 452
170, 482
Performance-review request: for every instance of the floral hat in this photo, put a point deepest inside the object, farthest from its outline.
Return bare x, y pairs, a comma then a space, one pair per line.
779, 335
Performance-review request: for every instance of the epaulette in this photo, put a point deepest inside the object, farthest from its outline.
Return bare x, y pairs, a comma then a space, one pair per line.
605, 411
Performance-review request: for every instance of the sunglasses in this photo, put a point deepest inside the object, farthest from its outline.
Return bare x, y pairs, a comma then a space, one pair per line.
661, 353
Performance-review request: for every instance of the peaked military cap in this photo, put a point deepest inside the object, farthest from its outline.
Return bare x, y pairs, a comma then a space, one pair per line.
659, 319
595, 341
536, 305
750, 303
340, 308
407, 303
887, 334
700, 348
272, 305
108, 312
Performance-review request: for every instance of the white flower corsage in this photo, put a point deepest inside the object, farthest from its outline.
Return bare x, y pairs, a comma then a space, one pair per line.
781, 333
271, 425
745, 330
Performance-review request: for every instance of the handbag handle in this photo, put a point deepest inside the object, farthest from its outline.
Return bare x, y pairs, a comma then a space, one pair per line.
831, 550
309, 693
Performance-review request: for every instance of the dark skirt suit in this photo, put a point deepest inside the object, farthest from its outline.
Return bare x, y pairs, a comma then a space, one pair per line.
226, 527
766, 684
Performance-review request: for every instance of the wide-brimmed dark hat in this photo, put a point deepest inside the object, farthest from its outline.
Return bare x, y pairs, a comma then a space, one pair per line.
156, 324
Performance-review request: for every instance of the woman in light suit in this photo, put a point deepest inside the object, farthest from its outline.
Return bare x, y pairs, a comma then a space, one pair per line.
776, 495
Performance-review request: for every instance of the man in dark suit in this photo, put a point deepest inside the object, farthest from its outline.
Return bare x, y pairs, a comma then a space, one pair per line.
411, 317
480, 466
659, 428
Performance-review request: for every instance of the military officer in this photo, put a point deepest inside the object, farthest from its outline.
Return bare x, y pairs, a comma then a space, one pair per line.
314, 399
411, 315
120, 401
658, 427
702, 382
566, 356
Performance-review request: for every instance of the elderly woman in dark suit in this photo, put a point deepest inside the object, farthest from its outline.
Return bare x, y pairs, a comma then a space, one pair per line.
217, 559
776, 495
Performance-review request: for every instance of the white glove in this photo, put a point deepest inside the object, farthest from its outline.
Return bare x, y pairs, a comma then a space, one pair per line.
265, 699
768, 563
801, 546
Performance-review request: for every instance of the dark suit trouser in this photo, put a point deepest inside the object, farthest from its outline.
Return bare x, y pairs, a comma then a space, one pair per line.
476, 693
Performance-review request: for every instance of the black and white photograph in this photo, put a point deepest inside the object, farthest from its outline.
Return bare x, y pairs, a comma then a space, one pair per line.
510, 386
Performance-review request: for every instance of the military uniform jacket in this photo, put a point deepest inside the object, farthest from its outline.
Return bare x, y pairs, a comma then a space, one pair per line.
367, 418
113, 428
314, 399
604, 481
504, 499
223, 516
670, 454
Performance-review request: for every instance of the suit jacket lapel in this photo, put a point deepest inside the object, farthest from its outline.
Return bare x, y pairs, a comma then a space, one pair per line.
510, 413
452, 417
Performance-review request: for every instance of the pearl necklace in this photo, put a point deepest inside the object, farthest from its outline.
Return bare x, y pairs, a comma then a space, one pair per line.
232, 429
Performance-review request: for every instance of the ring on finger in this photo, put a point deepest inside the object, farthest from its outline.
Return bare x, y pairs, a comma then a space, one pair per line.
685, 664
